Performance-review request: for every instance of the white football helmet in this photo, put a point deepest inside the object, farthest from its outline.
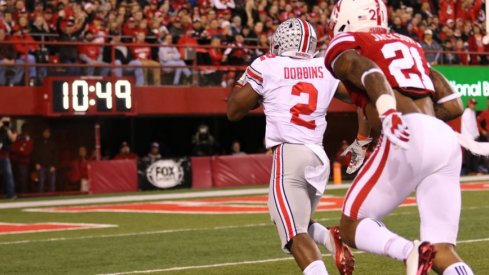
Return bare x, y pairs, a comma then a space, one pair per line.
358, 16
294, 37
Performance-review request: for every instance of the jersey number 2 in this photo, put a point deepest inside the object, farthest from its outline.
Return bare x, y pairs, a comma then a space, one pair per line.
304, 109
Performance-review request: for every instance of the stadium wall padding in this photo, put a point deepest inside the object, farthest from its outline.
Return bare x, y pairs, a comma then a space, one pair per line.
113, 176
201, 172
226, 171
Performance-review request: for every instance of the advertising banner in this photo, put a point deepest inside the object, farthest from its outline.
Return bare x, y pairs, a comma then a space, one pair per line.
469, 82
166, 174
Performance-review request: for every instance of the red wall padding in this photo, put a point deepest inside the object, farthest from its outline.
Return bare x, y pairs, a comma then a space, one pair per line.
113, 176
201, 172
241, 170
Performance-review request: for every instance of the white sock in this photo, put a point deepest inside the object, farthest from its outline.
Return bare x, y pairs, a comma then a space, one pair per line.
320, 235
316, 268
459, 268
372, 236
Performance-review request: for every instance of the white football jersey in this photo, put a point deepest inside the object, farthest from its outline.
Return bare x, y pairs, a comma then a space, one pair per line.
296, 95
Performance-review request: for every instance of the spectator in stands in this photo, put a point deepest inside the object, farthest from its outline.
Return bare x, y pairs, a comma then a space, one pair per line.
239, 55
236, 25
45, 158
461, 52
122, 57
125, 152
398, 27
141, 52
431, 48
24, 52
91, 54
153, 156
69, 32
217, 56
187, 46
476, 45
469, 129
170, 56
176, 28
203, 142
449, 58
79, 170
236, 148
21, 157
8, 55
7, 136
129, 29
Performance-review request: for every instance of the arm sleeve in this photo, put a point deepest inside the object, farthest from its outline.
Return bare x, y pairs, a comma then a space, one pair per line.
254, 75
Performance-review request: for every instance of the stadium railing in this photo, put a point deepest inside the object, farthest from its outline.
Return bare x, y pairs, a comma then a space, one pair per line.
202, 74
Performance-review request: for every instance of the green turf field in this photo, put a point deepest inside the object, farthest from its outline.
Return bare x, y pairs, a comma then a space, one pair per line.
201, 243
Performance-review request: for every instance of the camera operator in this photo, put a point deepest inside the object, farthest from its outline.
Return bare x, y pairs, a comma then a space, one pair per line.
7, 136
203, 142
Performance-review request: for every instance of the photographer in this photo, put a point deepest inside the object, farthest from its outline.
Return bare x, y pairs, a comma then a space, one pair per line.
7, 136
203, 142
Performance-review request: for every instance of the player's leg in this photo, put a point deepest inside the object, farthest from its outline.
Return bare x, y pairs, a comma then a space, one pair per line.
379, 188
330, 238
290, 205
439, 203
439, 200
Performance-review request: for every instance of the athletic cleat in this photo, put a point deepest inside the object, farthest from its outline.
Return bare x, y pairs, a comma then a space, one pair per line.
420, 259
342, 255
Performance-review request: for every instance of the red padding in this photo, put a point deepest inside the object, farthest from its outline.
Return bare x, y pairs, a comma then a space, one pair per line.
241, 170
112, 176
201, 172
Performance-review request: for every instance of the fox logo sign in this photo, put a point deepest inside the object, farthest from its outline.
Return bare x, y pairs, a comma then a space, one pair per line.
165, 173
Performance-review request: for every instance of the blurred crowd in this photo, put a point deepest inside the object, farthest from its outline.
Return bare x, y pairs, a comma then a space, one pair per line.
164, 34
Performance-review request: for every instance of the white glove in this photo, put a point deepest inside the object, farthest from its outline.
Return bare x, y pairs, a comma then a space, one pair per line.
395, 128
358, 149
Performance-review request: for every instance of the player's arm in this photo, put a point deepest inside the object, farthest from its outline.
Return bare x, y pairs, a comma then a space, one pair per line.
241, 101
366, 75
342, 93
358, 148
447, 101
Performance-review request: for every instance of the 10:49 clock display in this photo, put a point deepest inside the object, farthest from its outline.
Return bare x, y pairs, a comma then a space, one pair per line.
92, 96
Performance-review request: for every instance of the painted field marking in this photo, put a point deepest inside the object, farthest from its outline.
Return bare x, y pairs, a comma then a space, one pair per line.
169, 231
187, 195
180, 268
234, 205
19, 228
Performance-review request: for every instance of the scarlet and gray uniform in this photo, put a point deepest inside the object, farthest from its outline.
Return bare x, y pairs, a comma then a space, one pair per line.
431, 164
296, 94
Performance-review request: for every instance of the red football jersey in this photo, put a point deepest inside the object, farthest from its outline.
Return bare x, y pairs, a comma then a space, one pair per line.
399, 57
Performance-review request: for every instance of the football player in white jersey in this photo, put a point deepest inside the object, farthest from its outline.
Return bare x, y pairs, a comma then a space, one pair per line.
387, 75
295, 89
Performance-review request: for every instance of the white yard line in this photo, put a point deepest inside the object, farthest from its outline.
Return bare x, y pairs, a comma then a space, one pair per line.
179, 268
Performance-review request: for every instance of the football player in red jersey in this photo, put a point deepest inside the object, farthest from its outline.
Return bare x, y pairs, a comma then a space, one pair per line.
388, 76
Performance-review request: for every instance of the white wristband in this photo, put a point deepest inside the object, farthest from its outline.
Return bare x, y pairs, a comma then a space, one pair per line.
384, 103
448, 98
368, 72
